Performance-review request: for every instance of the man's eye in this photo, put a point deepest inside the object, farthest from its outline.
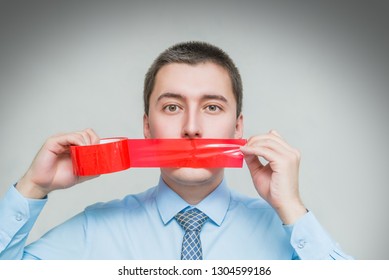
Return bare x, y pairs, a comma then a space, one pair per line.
171, 108
213, 108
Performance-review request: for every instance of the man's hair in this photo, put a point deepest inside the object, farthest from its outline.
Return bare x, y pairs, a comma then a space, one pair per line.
193, 53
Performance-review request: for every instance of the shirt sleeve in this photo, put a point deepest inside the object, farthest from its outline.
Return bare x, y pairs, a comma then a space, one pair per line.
17, 217
64, 242
311, 242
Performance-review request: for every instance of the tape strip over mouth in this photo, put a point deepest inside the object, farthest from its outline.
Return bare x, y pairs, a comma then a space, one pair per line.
120, 153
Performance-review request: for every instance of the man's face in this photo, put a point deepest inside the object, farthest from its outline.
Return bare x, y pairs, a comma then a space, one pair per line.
192, 101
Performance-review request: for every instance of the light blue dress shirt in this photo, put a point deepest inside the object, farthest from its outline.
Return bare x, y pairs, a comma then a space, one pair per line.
142, 226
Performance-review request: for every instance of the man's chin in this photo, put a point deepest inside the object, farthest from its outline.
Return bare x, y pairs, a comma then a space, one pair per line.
191, 176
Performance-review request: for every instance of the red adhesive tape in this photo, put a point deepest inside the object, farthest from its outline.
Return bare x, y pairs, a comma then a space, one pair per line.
117, 154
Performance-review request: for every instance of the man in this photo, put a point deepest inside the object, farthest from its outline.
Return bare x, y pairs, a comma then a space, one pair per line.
192, 90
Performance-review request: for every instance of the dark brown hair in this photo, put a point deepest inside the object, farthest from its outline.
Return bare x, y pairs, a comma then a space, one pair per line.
194, 53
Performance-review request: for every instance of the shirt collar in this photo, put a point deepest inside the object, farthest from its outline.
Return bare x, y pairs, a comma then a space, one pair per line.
215, 205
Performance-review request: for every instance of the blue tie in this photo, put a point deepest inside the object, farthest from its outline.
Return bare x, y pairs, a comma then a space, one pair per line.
191, 221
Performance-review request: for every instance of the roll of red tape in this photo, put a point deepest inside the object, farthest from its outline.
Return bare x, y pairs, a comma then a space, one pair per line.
116, 154
109, 156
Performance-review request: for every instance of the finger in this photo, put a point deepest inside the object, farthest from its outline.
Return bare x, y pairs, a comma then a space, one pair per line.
272, 136
253, 164
253, 160
272, 151
271, 144
260, 151
274, 132
86, 137
295, 151
60, 143
94, 138
89, 136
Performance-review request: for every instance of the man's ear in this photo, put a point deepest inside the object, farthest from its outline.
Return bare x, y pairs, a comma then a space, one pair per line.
239, 127
146, 127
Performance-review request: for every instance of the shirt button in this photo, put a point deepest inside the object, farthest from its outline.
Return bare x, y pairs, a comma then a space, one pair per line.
301, 244
19, 217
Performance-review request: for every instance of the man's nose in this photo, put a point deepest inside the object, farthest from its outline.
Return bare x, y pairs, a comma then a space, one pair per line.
192, 126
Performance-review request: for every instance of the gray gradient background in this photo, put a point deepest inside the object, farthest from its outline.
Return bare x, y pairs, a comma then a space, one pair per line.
316, 72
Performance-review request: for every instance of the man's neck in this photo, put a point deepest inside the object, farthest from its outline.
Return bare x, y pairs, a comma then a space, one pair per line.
194, 193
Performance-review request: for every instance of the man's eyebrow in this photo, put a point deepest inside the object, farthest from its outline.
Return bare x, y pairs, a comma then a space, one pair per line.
214, 96
170, 95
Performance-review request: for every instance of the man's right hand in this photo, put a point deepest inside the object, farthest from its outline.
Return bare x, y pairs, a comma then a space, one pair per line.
52, 167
